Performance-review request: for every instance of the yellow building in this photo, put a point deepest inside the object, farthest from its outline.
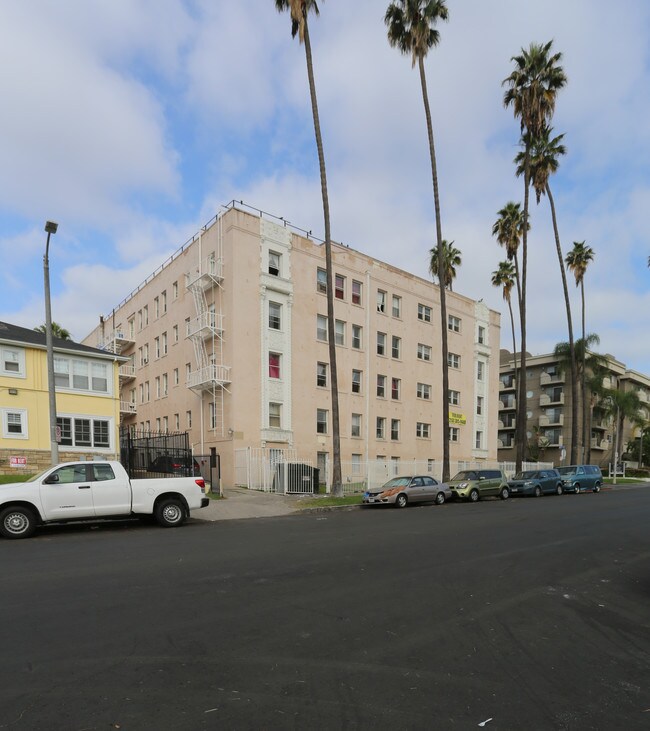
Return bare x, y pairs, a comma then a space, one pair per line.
87, 400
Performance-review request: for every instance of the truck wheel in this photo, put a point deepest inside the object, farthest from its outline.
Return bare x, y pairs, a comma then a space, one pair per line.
17, 522
169, 513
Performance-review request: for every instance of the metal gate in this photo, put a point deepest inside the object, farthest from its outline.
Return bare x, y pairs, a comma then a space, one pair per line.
275, 470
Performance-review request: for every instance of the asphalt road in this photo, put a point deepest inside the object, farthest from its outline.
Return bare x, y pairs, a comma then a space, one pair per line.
524, 614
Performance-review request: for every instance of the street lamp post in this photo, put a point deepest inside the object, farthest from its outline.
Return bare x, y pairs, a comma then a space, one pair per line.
51, 228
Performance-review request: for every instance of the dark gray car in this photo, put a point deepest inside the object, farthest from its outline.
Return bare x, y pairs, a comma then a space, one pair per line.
581, 477
536, 483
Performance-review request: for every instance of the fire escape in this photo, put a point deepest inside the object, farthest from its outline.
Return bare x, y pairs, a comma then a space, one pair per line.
206, 331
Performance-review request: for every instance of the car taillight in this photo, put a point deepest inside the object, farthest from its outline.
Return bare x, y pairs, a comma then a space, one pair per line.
201, 484
176, 466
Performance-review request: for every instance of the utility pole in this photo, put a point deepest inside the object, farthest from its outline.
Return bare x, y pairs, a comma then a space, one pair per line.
51, 228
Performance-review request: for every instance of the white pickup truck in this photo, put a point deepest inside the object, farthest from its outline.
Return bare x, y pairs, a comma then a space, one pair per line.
95, 490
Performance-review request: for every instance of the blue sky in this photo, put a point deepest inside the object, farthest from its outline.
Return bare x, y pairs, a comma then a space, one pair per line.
131, 122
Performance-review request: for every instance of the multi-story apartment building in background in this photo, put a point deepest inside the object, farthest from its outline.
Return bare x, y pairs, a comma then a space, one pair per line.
228, 340
87, 401
549, 398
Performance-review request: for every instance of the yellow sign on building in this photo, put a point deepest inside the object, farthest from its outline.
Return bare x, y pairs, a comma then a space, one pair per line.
455, 417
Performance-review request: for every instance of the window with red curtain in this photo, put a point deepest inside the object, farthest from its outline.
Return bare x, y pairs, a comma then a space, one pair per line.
274, 365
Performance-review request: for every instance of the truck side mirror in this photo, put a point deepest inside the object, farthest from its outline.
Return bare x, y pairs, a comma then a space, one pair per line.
52, 479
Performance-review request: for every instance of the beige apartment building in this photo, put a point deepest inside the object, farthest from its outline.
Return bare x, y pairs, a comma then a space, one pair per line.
228, 340
549, 399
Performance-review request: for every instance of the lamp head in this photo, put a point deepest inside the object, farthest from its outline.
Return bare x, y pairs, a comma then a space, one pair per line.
51, 227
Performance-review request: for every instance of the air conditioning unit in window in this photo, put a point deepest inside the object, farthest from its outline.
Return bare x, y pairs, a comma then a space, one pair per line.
145, 361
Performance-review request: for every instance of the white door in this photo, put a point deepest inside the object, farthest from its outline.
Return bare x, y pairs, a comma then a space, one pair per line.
323, 468
67, 493
111, 494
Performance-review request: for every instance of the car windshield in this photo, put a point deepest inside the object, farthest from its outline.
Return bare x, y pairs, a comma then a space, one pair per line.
567, 470
525, 475
465, 475
397, 482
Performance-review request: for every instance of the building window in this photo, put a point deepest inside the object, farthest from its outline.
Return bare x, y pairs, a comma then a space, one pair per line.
397, 306
481, 335
84, 432
356, 464
274, 263
321, 281
188, 419
163, 342
321, 375
454, 433
158, 424
424, 313
156, 308
339, 287
164, 385
381, 386
147, 392
356, 381
479, 405
453, 360
357, 332
175, 290
157, 386
321, 328
339, 332
454, 397
395, 388
396, 346
274, 365
176, 381
188, 371
275, 415
422, 430
163, 298
424, 352
356, 292
321, 421
14, 423
355, 429
275, 316
479, 440
381, 343
480, 370
177, 422
145, 315
381, 427
394, 429
213, 415
424, 391
12, 362
81, 375
453, 323
157, 347
175, 333
139, 319
381, 301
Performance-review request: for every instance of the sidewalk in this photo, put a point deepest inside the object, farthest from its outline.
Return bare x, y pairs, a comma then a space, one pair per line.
240, 503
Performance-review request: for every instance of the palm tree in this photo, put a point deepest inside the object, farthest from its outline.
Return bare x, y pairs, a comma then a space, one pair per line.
57, 331
544, 153
411, 28
578, 260
622, 405
532, 89
451, 257
299, 10
504, 277
595, 371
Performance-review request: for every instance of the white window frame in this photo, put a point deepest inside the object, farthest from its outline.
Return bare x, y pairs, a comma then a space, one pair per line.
454, 323
454, 434
24, 426
4, 352
422, 430
424, 313
339, 331
357, 337
453, 360
424, 352
423, 391
355, 425
453, 397
396, 309
321, 328
275, 262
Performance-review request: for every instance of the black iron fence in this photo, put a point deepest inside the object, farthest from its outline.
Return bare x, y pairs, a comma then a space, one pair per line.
157, 454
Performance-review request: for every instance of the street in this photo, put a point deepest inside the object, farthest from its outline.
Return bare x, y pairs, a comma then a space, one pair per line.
518, 614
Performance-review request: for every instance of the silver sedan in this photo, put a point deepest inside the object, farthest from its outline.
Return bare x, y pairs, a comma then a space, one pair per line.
400, 491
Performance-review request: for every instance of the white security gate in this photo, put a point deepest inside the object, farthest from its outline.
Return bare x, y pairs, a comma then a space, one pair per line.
274, 470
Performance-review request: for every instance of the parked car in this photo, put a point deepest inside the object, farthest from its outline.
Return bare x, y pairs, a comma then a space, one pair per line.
581, 477
170, 465
474, 484
536, 482
95, 491
400, 491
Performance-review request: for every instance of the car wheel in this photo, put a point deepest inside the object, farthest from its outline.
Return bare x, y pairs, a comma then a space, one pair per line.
538, 491
17, 522
559, 490
169, 513
505, 493
597, 487
474, 496
401, 501
440, 498
576, 489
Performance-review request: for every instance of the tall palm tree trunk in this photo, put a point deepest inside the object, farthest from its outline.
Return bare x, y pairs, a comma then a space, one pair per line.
514, 342
337, 487
586, 435
441, 282
520, 429
572, 347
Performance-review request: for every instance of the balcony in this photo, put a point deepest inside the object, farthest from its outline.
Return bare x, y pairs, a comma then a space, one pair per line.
509, 404
206, 325
551, 399
209, 273
507, 444
643, 395
208, 377
116, 341
507, 384
127, 371
546, 379
599, 444
555, 441
127, 407
508, 424
609, 382
555, 420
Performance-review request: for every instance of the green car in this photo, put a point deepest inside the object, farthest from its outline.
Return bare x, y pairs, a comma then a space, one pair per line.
472, 485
